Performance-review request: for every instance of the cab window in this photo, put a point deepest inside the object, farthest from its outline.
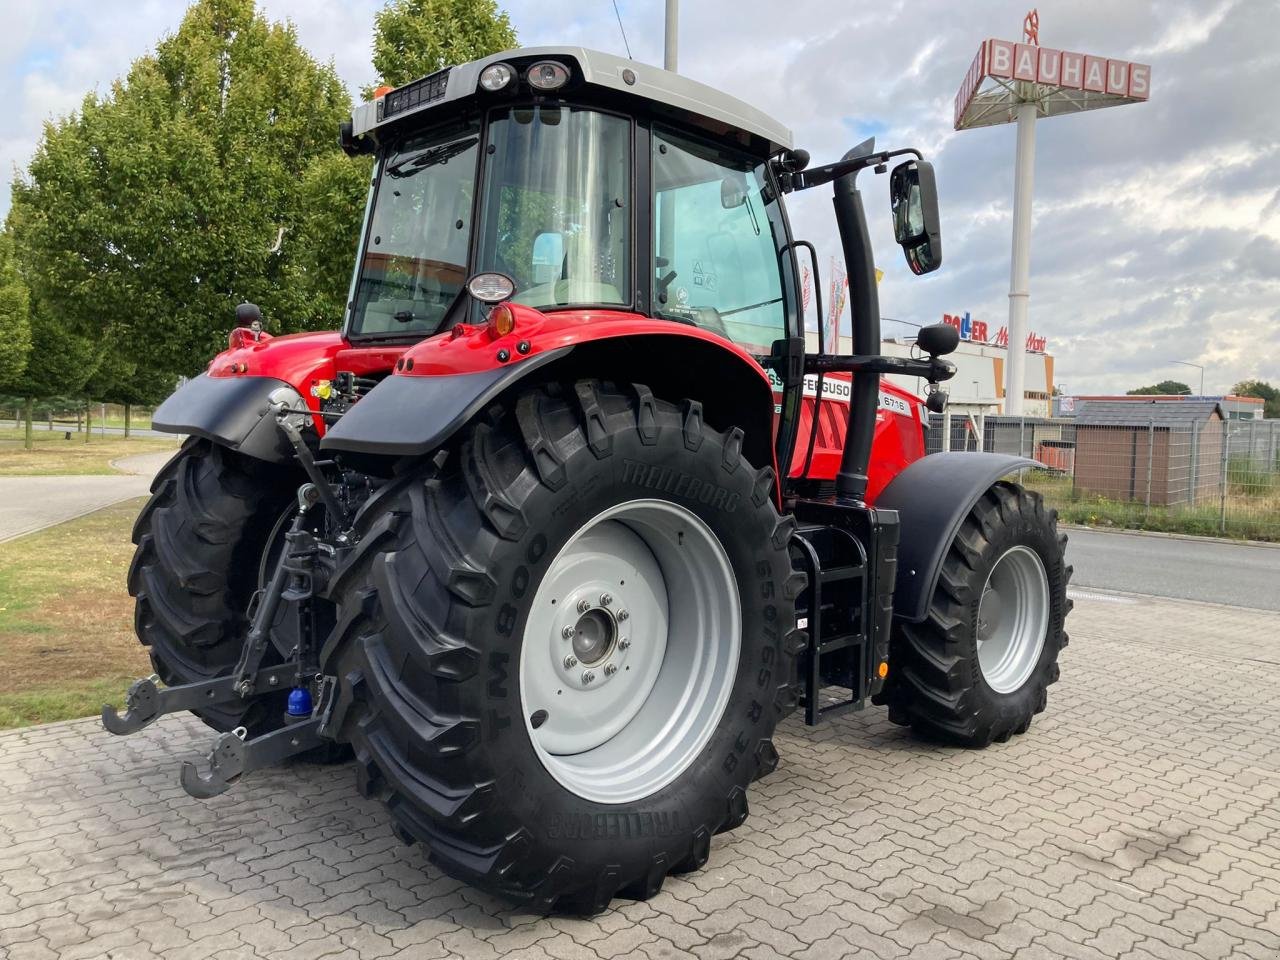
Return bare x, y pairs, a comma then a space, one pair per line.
718, 242
557, 205
415, 255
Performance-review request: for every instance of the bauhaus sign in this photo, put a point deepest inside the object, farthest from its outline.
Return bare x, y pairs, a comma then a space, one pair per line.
1109, 78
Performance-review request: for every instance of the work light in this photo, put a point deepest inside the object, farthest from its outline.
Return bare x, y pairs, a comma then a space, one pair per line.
548, 75
491, 287
496, 76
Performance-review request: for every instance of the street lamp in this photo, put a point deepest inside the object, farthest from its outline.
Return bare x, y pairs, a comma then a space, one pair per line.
1198, 367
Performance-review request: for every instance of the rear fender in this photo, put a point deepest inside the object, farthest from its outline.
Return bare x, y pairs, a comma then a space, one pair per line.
414, 415
932, 497
232, 411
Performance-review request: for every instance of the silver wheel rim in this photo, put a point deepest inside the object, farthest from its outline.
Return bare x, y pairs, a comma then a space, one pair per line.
1013, 619
630, 651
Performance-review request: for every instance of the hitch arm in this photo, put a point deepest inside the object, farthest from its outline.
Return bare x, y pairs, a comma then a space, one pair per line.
147, 701
233, 756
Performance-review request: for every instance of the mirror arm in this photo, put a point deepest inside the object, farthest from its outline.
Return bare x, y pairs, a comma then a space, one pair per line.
933, 369
816, 177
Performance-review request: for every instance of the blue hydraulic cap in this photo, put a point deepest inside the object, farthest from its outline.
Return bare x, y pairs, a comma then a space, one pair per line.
299, 702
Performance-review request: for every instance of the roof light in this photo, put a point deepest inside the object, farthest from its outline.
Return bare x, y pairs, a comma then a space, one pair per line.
548, 75
491, 287
496, 76
382, 91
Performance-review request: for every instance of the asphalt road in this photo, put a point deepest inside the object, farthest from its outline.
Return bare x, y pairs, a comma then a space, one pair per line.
1215, 572
98, 429
28, 504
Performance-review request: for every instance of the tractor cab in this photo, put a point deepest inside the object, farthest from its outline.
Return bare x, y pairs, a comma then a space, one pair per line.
589, 182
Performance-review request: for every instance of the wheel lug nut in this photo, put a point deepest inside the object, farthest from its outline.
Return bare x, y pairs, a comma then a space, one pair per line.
567, 633
610, 670
624, 643
584, 605
622, 614
588, 677
605, 599
570, 662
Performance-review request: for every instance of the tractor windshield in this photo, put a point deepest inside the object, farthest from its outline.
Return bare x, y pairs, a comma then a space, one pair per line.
419, 231
557, 205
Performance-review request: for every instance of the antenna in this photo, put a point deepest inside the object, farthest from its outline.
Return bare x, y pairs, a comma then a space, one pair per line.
622, 30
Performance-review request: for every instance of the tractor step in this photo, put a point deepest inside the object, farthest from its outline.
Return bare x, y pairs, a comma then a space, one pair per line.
146, 701
848, 554
836, 563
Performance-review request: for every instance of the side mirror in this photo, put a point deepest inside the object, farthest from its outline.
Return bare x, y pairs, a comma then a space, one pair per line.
548, 257
733, 193
938, 339
247, 314
913, 196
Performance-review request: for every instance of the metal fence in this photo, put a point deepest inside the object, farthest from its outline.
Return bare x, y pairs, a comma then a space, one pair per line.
1210, 477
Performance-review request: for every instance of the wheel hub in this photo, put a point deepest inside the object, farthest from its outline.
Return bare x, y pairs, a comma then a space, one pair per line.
595, 635
594, 647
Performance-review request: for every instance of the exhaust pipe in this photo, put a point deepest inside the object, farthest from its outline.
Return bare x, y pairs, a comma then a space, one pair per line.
864, 305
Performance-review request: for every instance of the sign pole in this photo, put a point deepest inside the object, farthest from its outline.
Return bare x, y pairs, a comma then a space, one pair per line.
1009, 81
670, 46
1020, 262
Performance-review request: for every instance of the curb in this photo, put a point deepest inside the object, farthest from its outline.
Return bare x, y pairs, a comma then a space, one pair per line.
1230, 541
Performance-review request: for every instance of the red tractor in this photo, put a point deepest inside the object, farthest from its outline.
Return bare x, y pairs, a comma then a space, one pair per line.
566, 518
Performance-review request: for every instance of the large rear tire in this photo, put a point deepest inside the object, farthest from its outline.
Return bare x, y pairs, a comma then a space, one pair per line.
979, 666
200, 543
488, 586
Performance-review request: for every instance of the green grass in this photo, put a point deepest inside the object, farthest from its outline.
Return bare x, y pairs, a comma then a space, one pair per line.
66, 619
51, 455
1252, 508
1251, 477
82, 698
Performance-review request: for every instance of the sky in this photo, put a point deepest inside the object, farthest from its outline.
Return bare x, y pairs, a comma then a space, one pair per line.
1156, 230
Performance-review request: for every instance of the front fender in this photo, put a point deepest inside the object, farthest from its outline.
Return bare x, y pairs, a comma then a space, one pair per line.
232, 411
932, 497
412, 416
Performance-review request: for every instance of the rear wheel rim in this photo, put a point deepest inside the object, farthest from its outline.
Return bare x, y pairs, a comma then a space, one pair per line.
630, 651
1013, 619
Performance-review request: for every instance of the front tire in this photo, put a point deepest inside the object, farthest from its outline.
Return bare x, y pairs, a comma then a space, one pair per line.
979, 666
477, 580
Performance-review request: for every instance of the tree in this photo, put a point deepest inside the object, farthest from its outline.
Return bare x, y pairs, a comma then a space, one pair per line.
59, 364
61, 355
146, 216
15, 321
333, 190
412, 38
122, 378
1163, 387
1264, 391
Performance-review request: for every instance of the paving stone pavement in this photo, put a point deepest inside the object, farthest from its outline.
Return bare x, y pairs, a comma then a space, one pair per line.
1139, 819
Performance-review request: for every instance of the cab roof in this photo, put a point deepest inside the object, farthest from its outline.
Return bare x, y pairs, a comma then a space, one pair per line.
603, 71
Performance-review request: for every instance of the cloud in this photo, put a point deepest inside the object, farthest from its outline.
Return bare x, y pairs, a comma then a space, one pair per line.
1157, 226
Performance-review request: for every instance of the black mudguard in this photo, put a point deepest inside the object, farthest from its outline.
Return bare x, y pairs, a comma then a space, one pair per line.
412, 416
932, 497
232, 411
